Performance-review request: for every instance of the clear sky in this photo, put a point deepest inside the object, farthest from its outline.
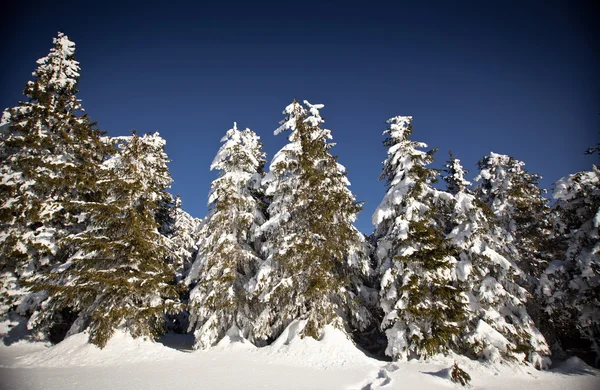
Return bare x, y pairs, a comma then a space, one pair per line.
518, 78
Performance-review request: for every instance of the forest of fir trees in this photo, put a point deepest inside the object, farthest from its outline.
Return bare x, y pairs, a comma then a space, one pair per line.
92, 241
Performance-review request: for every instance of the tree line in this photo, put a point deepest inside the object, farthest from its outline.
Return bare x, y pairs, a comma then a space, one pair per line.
92, 240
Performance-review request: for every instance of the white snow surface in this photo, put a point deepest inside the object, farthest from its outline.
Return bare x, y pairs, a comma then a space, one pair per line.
289, 363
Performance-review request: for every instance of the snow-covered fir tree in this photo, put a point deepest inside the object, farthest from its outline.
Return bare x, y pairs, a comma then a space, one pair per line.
454, 175
183, 232
497, 325
229, 243
521, 209
421, 304
313, 253
119, 276
570, 285
49, 154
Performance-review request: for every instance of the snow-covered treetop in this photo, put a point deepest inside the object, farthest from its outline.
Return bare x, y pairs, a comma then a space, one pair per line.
154, 140
498, 166
310, 115
240, 160
241, 151
403, 168
501, 178
59, 64
400, 127
455, 176
287, 158
291, 112
143, 161
57, 75
402, 152
578, 184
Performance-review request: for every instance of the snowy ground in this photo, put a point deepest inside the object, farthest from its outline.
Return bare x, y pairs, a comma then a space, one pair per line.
290, 363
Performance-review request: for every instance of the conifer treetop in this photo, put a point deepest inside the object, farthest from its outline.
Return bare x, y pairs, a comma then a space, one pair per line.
241, 151
455, 176
399, 127
311, 116
503, 179
571, 186
56, 77
288, 157
403, 167
402, 152
505, 164
136, 155
59, 63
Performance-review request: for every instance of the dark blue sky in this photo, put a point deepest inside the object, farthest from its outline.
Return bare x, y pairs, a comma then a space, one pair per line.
518, 78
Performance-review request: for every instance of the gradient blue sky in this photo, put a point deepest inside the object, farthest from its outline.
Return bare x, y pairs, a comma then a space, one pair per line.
518, 78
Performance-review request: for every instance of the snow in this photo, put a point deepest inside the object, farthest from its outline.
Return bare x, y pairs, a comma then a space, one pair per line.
490, 337
463, 269
76, 351
290, 362
292, 350
568, 187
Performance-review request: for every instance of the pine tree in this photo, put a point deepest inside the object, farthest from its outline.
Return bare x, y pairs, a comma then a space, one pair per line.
228, 254
498, 325
313, 252
183, 232
49, 154
522, 211
520, 208
421, 304
454, 176
119, 277
570, 285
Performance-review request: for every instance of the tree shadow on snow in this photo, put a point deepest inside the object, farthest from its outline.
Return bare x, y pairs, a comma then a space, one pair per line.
18, 330
444, 373
180, 342
574, 366
373, 344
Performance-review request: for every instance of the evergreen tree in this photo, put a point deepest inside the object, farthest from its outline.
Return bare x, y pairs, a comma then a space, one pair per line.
520, 208
49, 154
570, 285
454, 176
420, 301
228, 254
313, 253
522, 211
497, 325
183, 232
119, 276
